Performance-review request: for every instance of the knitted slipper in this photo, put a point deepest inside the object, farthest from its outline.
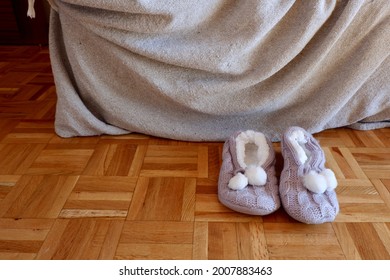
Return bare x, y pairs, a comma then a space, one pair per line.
247, 181
306, 186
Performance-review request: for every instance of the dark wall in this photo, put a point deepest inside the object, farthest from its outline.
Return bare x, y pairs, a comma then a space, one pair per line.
18, 29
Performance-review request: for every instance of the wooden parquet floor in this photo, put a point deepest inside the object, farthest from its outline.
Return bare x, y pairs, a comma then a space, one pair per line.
141, 197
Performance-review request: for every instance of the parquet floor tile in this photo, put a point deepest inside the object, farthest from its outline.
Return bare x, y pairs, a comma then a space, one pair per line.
99, 196
81, 239
141, 197
156, 240
22, 238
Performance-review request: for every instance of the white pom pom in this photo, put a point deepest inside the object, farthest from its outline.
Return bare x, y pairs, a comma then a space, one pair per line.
238, 182
315, 182
330, 178
256, 175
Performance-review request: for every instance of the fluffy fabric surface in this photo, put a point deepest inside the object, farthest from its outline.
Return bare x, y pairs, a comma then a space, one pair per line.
256, 175
238, 182
252, 151
201, 70
251, 148
315, 182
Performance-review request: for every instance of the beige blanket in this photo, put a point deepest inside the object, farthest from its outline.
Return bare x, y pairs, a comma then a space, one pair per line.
201, 70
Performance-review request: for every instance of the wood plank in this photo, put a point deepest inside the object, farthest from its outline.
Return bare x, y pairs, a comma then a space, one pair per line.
111, 160
80, 239
200, 243
169, 199
60, 161
294, 252
17, 159
38, 197
346, 242
154, 252
367, 241
222, 241
156, 240
252, 243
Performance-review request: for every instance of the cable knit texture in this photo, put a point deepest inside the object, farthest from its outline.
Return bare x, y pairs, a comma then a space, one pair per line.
253, 200
300, 203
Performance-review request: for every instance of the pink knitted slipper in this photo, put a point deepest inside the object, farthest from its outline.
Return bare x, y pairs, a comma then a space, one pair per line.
306, 186
247, 181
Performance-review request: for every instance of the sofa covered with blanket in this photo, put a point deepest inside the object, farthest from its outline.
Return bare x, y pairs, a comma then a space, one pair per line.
201, 70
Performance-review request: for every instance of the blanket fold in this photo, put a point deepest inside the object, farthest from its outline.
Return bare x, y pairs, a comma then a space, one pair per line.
201, 70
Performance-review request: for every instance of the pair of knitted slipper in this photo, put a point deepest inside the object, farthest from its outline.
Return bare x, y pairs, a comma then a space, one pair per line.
248, 184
